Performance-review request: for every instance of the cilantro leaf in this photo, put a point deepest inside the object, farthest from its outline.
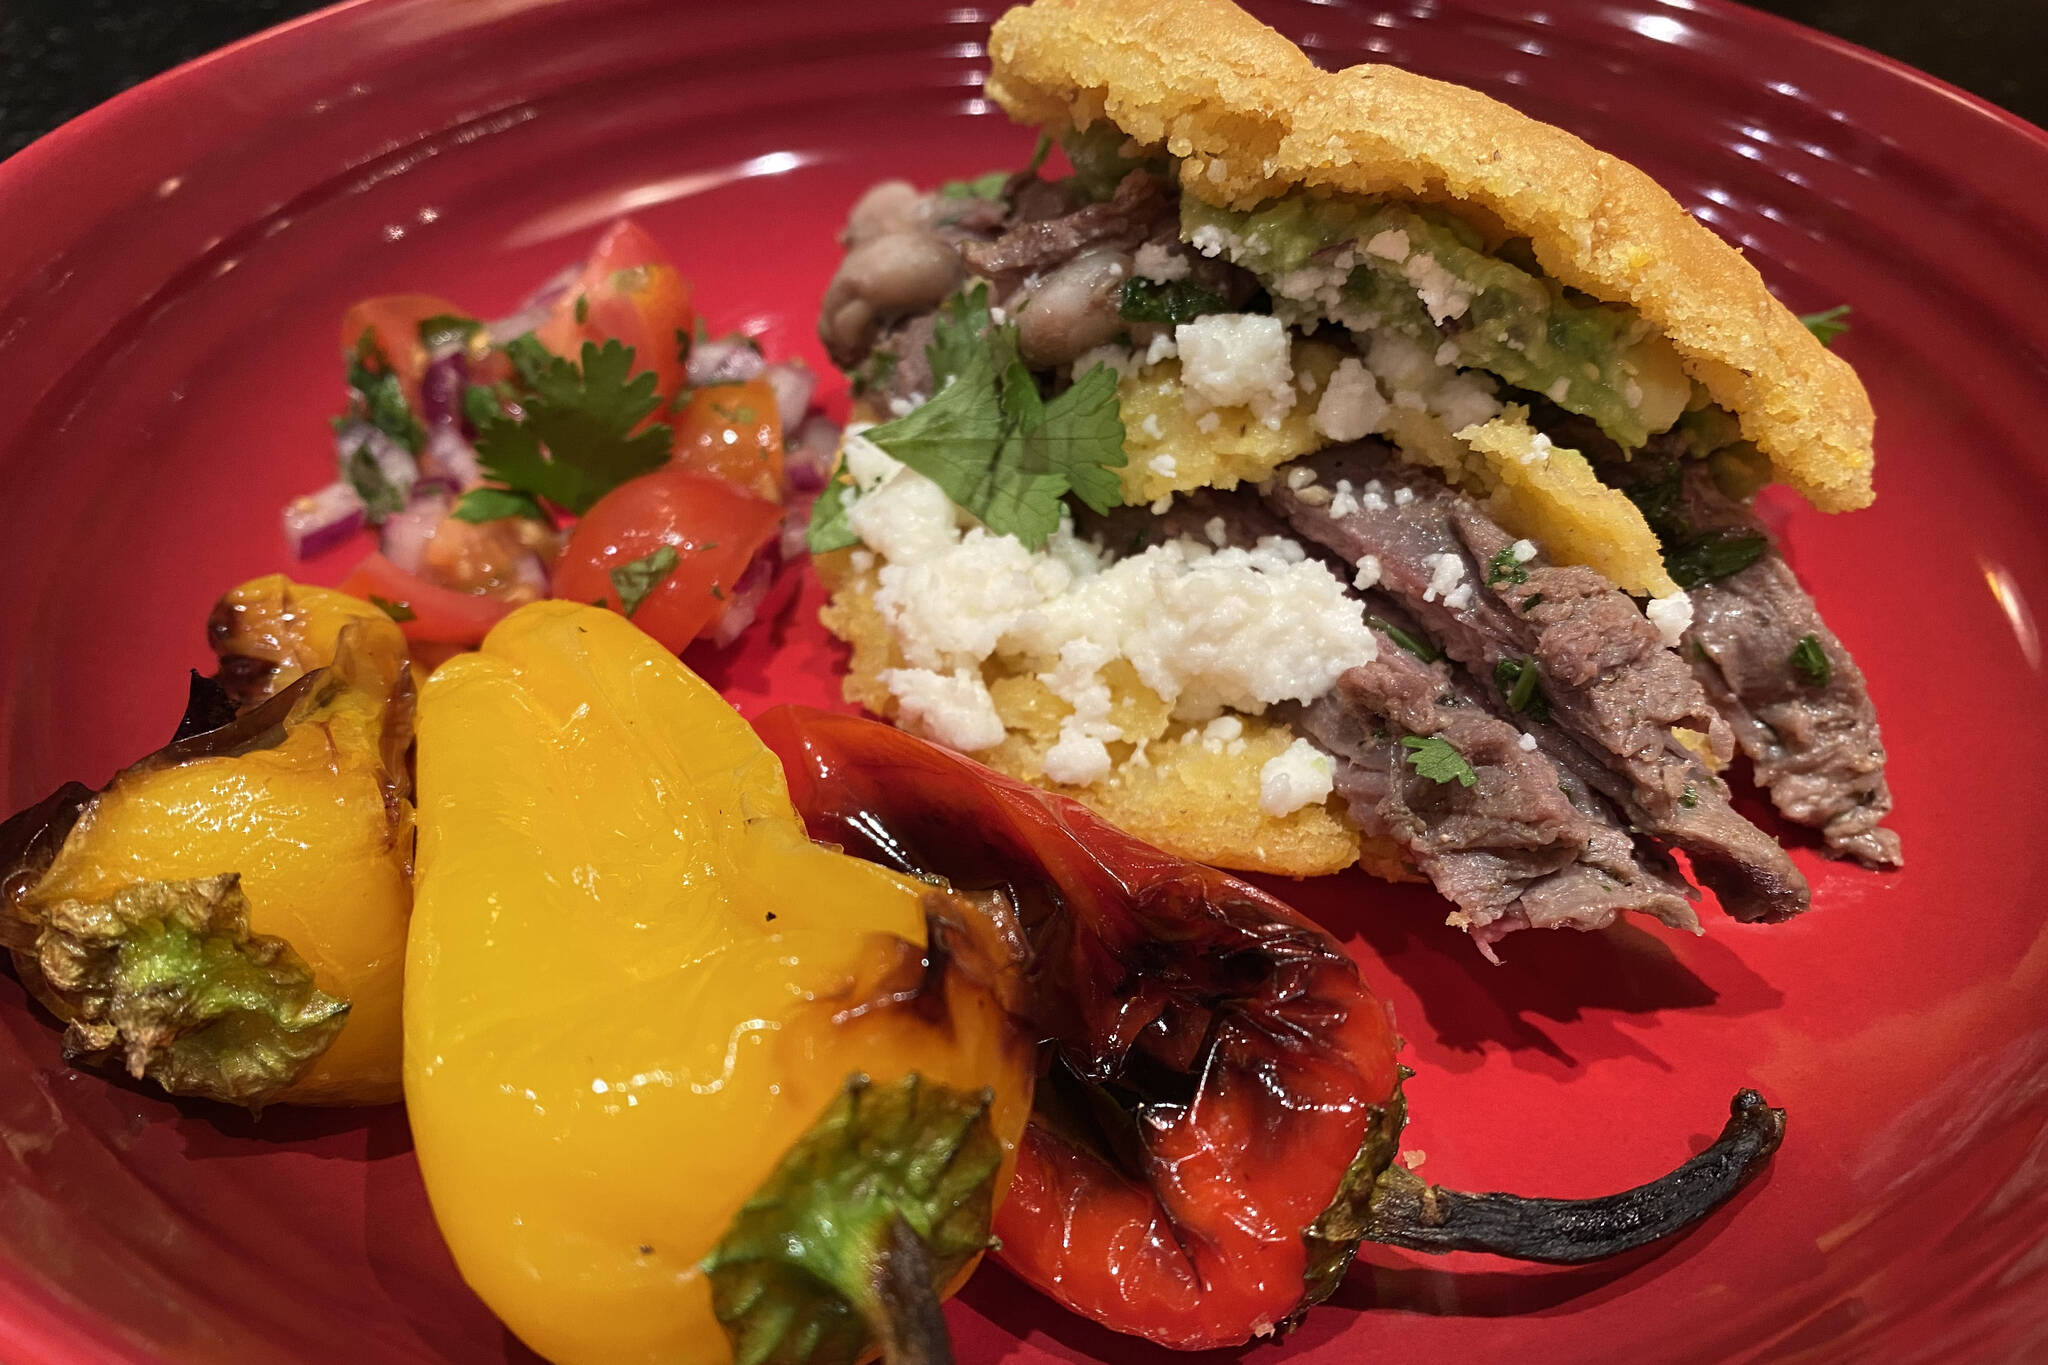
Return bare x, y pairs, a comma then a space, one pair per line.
400, 612
1712, 556
957, 336
1827, 324
1435, 759
636, 578
379, 398
1516, 679
381, 497
1505, 567
578, 440
1168, 302
496, 504
989, 186
1415, 645
829, 529
1810, 661
1083, 436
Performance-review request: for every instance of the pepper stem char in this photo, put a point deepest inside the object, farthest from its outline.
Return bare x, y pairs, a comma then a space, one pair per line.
1405, 1212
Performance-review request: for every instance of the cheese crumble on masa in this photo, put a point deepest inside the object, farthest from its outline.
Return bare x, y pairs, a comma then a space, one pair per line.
1210, 629
1230, 360
1303, 775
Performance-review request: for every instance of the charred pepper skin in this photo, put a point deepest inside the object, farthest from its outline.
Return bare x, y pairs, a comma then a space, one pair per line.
207, 886
635, 988
1215, 1131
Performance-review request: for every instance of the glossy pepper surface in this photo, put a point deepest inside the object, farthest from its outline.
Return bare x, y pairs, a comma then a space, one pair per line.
227, 916
637, 994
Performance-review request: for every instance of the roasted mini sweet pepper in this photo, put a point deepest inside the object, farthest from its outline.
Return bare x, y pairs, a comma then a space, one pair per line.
1214, 1131
226, 917
685, 1086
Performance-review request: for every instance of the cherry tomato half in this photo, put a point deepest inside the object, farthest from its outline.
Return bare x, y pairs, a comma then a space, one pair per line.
628, 292
707, 526
423, 610
733, 431
392, 321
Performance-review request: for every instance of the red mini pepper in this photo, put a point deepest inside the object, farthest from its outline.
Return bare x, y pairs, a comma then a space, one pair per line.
1218, 1107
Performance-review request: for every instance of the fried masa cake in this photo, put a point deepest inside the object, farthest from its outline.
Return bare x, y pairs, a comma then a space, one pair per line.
1494, 385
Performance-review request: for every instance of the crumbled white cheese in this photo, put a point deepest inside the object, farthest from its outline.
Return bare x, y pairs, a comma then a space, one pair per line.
1315, 495
1459, 598
1161, 348
1344, 502
1161, 505
953, 708
1221, 731
1216, 531
1447, 354
1207, 423
1119, 359
1560, 389
1403, 496
1150, 426
1525, 550
1441, 292
1352, 405
1078, 760
900, 406
1302, 775
1368, 575
1238, 360
1300, 477
1165, 466
1374, 498
1671, 615
1391, 245
1161, 263
1212, 240
1446, 571
1527, 743
1413, 378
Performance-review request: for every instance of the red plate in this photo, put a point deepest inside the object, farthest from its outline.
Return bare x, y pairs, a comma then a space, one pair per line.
173, 266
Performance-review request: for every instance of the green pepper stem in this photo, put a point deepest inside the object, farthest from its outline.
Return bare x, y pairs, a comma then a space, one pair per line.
1405, 1212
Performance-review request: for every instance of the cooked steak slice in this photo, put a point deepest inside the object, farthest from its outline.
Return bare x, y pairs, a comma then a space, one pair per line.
1141, 203
1795, 698
1603, 676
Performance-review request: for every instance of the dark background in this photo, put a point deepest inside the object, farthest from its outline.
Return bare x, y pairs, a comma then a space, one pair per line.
61, 57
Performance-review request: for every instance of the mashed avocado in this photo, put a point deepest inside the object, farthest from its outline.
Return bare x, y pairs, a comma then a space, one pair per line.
1369, 264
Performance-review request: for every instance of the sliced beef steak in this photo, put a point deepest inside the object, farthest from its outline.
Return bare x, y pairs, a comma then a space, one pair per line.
1141, 203
1528, 845
1608, 693
1795, 698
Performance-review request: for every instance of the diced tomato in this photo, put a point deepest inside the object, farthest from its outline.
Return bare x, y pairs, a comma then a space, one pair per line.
712, 527
733, 431
629, 292
425, 611
393, 323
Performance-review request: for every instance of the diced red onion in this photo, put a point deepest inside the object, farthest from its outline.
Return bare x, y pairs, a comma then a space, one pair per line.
744, 598
809, 452
449, 456
796, 526
405, 535
793, 382
319, 521
539, 304
441, 387
724, 360
532, 571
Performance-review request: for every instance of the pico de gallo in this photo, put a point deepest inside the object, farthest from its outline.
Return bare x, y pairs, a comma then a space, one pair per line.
597, 446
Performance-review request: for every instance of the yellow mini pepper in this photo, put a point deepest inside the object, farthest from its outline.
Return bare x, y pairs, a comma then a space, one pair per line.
684, 1085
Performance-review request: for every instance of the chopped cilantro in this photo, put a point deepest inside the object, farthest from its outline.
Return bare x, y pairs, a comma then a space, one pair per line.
1810, 661
381, 497
397, 611
496, 504
379, 398
448, 329
993, 443
1712, 556
582, 308
1505, 567
1827, 324
480, 405
829, 530
718, 592
1415, 645
1531, 602
579, 439
1169, 302
1516, 679
989, 186
636, 578
1690, 797
1435, 759
874, 373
